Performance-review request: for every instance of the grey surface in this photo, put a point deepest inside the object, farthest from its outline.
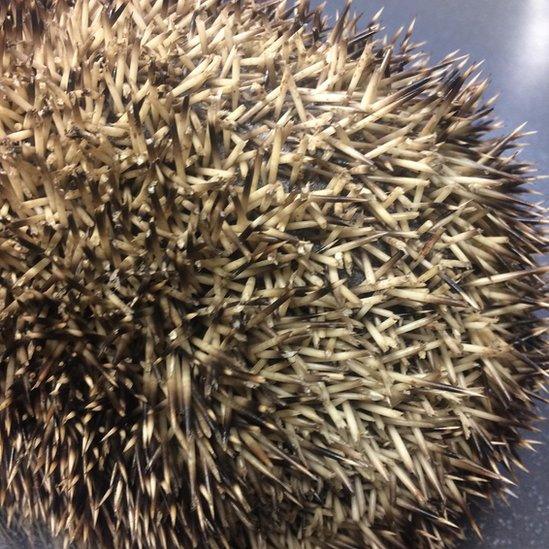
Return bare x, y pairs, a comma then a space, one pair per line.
512, 36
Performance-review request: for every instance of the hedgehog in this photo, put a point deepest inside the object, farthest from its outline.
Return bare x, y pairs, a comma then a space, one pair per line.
266, 281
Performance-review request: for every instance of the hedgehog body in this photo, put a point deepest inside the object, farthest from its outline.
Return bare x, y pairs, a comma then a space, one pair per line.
262, 283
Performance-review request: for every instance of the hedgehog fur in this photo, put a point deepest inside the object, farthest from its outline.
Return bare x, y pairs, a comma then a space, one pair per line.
263, 282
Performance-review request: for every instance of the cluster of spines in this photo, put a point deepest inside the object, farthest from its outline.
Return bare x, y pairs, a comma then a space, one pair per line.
263, 282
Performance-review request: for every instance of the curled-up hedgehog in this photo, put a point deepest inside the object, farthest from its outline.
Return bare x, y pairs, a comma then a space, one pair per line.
264, 282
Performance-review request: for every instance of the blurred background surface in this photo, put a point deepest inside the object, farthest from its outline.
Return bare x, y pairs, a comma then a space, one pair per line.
512, 37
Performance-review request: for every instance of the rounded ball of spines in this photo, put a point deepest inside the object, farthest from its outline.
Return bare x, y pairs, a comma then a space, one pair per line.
263, 283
